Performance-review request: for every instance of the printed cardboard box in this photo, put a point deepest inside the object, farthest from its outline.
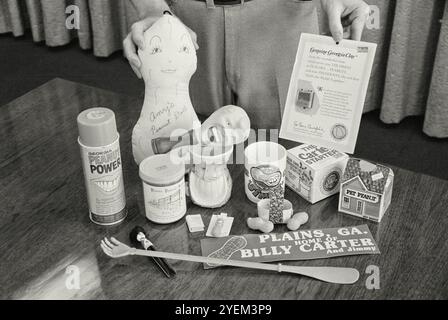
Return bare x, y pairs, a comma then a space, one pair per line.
314, 172
366, 189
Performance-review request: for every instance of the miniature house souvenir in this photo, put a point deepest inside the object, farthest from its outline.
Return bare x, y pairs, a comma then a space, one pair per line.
366, 189
314, 172
168, 62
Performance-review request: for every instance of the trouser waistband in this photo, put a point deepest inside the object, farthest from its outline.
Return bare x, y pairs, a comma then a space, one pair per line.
211, 3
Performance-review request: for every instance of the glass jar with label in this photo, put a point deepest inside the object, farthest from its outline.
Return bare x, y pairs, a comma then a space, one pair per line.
163, 189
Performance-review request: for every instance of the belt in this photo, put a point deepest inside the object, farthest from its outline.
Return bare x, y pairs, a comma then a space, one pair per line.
230, 2
226, 2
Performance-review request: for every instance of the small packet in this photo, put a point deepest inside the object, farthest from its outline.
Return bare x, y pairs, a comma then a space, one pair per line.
195, 223
219, 226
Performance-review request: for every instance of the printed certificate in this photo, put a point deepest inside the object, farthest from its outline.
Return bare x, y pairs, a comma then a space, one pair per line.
327, 91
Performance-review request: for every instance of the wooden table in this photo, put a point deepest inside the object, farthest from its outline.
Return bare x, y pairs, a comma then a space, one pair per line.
45, 228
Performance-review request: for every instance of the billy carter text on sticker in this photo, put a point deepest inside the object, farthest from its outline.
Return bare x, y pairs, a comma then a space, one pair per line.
297, 245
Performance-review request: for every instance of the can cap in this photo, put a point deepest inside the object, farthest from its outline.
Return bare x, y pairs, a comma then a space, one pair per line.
160, 170
97, 127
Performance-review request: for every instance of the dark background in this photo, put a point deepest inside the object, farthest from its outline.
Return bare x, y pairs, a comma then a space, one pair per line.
25, 65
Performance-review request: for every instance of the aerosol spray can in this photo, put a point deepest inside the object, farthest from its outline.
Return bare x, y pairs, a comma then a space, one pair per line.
101, 159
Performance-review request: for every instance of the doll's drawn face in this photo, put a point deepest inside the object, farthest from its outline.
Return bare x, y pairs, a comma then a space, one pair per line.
228, 125
169, 56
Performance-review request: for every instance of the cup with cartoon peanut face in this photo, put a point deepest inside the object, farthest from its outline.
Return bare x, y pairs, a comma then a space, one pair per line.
265, 165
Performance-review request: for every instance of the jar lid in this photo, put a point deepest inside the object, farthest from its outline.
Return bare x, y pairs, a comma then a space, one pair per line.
159, 169
97, 127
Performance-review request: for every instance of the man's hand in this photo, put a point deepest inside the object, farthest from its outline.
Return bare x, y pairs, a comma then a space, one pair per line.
135, 40
346, 18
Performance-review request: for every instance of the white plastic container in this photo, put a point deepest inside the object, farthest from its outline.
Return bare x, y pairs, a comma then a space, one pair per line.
102, 165
163, 189
265, 164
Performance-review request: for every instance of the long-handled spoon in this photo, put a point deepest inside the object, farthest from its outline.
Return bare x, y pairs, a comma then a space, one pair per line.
116, 249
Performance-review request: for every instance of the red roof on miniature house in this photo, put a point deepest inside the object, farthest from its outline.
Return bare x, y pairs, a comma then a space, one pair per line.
374, 180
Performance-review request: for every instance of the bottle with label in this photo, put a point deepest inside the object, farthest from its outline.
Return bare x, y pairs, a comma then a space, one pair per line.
102, 165
163, 189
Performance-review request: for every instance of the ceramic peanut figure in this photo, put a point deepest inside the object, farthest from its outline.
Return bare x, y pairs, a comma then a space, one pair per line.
229, 125
210, 181
168, 62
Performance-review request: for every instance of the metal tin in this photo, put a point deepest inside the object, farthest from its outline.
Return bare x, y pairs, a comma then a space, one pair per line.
163, 189
102, 166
